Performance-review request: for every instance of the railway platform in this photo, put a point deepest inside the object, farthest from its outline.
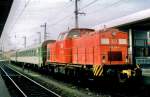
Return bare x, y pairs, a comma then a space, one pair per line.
3, 89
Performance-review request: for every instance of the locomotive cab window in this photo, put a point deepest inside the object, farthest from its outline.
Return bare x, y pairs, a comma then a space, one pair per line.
62, 35
73, 34
114, 56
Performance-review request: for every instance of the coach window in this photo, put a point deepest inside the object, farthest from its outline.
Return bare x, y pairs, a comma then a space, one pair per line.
34, 52
26, 52
31, 53
39, 51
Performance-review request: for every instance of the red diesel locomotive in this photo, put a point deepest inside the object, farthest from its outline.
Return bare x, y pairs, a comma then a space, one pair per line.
85, 53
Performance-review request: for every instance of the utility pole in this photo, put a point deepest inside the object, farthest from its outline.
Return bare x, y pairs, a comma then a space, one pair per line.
76, 14
45, 27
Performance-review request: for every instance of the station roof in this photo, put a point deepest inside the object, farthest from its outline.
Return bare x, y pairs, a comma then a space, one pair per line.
5, 6
137, 25
137, 21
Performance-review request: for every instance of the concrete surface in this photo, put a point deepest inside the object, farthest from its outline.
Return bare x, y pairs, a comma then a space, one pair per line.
3, 89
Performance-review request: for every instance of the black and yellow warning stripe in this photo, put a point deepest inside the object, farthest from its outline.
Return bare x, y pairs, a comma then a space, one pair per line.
97, 70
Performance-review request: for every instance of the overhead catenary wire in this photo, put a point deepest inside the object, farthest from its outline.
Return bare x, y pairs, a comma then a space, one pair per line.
18, 17
107, 7
89, 4
61, 10
86, 6
21, 13
61, 19
69, 15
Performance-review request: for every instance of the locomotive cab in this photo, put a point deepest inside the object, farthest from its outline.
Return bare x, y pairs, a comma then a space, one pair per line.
74, 33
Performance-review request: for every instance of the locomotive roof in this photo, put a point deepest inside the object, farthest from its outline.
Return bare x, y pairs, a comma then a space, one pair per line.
74, 32
82, 29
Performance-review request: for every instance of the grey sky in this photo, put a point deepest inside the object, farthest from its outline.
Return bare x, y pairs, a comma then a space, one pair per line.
26, 16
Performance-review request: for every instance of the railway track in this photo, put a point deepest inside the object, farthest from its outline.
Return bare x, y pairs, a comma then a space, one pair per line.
24, 86
110, 90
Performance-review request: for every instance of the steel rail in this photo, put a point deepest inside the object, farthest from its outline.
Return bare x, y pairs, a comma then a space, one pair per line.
14, 83
36, 82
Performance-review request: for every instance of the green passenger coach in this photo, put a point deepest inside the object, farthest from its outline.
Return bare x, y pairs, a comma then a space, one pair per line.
32, 56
